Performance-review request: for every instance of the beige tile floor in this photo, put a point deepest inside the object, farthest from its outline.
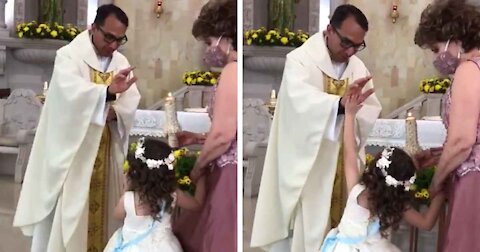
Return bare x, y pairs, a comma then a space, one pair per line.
11, 239
426, 240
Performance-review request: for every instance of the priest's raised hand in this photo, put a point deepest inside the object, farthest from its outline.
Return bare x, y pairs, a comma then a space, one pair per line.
356, 89
121, 81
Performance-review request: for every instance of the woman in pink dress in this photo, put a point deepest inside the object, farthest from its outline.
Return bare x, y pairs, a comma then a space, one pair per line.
214, 228
451, 29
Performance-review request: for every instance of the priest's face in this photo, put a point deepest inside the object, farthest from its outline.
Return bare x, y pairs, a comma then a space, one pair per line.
346, 40
108, 37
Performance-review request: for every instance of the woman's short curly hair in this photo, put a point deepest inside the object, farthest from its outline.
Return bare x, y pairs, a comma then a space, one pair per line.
449, 19
217, 18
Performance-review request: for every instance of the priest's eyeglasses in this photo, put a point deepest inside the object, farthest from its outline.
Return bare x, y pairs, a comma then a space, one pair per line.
347, 43
110, 38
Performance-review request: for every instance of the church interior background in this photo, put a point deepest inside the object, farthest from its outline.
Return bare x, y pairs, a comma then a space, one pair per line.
404, 79
162, 49
160, 46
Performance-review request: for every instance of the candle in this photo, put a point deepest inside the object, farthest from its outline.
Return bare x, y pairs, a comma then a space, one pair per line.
411, 138
45, 88
171, 122
272, 95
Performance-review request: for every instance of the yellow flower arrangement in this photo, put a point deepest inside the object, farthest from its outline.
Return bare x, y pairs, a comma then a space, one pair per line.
434, 85
200, 78
368, 159
420, 187
264, 37
34, 30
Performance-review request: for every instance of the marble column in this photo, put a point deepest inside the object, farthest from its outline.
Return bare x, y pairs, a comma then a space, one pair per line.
82, 13
248, 11
2, 14
314, 16
19, 11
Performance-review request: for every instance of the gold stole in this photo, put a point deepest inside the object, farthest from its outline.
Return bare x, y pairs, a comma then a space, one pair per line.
339, 194
98, 204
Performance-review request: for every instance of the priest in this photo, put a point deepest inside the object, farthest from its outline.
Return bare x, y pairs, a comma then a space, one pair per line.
74, 174
302, 191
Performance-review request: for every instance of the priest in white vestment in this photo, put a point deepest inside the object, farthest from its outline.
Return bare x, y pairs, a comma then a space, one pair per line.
74, 175
301, 191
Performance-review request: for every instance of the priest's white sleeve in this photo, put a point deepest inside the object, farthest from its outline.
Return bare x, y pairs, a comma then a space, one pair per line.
100, 113
334, 125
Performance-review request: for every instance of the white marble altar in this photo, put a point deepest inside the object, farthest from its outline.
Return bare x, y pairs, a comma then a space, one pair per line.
152, 122
391, 132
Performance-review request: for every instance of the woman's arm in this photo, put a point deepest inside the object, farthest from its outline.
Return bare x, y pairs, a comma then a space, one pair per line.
186, 138
463, 122
224, 123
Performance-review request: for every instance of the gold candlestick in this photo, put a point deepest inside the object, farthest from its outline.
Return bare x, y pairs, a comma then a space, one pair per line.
171, 123
411, 139
273, 102
43, 96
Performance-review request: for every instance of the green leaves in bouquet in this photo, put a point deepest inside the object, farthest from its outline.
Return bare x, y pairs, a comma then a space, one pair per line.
421, 185
183, 167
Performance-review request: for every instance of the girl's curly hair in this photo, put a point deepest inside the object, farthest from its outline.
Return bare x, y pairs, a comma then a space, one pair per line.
154, 186
449, 19
217, 18
389, 203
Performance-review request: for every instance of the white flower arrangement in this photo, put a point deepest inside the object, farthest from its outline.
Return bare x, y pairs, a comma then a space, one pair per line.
384, 162
153, 163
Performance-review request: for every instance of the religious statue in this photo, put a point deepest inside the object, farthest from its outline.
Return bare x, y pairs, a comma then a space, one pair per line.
51, 11
282, 14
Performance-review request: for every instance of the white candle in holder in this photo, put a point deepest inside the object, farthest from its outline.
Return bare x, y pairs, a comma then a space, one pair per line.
171, 123
45, 88
411, 139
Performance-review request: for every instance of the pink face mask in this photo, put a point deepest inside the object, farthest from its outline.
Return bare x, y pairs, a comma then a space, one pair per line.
215, 57
445, 63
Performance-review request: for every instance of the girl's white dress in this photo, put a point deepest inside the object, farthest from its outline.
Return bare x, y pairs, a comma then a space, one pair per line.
357, 232
143, 233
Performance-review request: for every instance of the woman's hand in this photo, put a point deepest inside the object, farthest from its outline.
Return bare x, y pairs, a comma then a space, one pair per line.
186, 138
196, 173
438, 184
428, 158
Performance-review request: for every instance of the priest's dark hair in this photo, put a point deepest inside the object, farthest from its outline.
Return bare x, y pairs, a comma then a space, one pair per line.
154, 186
106, 10
345, 11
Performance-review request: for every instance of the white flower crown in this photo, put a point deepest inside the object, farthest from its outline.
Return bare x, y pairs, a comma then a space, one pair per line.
383, 163
153, 163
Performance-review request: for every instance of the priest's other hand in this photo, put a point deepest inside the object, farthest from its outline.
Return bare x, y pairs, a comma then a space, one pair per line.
121, 82
356, 88
428, 158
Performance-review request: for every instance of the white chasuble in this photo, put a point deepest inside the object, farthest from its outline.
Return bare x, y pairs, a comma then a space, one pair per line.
294, 201
75, 166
